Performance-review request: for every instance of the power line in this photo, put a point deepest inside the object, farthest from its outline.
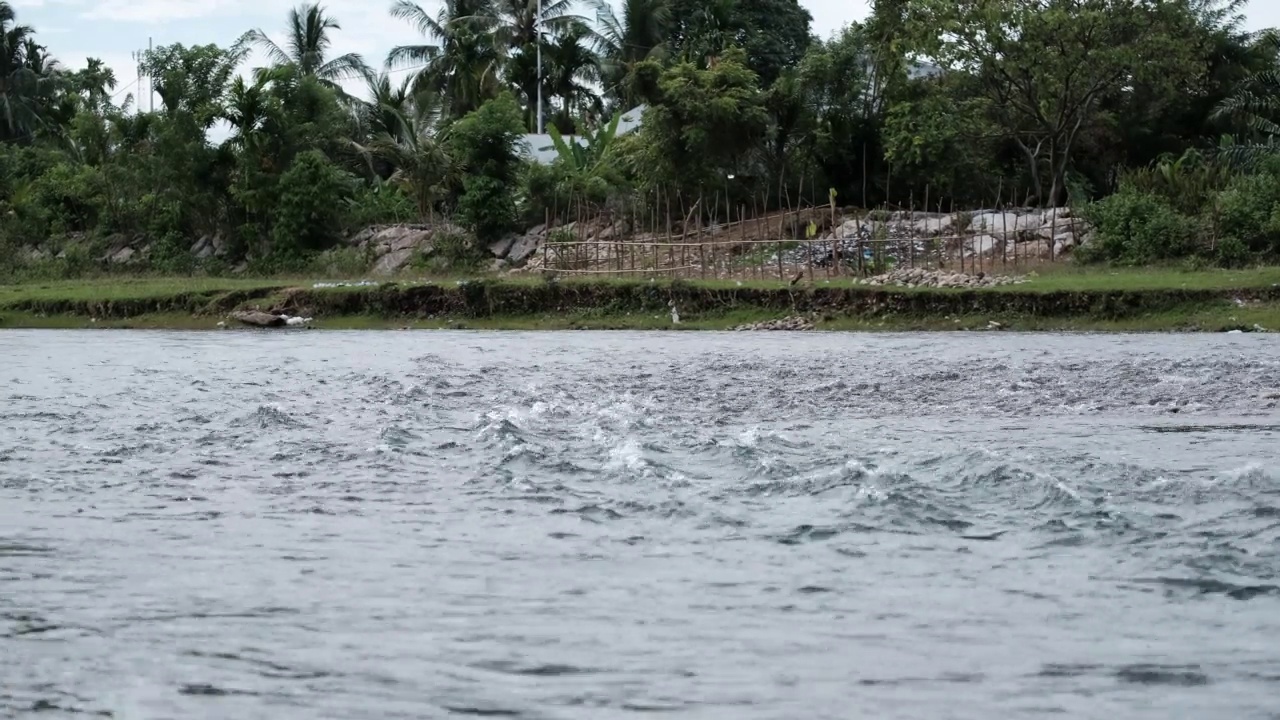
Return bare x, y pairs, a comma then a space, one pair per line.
123, 90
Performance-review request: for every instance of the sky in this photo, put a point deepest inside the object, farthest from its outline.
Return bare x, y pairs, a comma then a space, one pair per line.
112, 30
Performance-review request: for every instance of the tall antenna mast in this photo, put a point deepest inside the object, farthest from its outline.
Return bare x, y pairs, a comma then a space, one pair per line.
538, 25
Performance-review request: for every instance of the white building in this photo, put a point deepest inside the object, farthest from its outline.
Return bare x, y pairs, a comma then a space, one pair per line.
541, 149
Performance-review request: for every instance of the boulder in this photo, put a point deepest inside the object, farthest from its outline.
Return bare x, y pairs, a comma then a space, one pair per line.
390, 238
524, 247
848, 229
392, 262
407, 239
502, 247
203, 248
997, 222
257, 318
123, 255
981, 245
362, 238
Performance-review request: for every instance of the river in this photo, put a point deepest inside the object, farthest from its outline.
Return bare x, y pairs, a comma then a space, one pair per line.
732, 526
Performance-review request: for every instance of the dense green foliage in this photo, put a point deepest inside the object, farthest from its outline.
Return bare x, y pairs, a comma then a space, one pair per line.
1191, 208
967, 103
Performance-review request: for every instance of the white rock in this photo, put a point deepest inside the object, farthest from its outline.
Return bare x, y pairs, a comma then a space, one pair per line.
392, 261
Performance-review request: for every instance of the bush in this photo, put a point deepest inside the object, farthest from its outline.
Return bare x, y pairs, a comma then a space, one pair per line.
453, 252
313, 195
341, 262
66, 198
171, 254
487, 207
381, 204
1247, 212
485, 143
1137, 227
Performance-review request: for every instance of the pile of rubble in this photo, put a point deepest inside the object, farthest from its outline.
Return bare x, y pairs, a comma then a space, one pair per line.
793, 323
920, 277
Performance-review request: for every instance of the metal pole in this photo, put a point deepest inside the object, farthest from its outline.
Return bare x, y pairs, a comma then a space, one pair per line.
151, 80
137, 58
538, 25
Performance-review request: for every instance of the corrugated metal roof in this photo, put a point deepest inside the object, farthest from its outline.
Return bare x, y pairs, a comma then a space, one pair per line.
540, 148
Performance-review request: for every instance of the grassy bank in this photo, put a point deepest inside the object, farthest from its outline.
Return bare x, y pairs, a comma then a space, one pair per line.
1128, 300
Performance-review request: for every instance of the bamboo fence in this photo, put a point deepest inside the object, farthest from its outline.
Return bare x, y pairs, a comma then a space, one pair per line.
721, 239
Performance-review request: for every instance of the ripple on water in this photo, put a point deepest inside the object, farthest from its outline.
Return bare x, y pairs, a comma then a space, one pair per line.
573, 525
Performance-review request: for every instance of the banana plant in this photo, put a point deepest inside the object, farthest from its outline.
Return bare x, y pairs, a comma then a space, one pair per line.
585, 159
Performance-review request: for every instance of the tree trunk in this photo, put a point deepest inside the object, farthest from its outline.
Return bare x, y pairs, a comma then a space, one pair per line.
1033, 165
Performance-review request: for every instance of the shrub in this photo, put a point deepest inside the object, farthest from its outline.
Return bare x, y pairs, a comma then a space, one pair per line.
313, 194
1246, 212
1137, 227
453, 252
485, 143
381, 204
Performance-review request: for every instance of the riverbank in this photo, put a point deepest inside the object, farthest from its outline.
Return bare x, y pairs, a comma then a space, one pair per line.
1098, 300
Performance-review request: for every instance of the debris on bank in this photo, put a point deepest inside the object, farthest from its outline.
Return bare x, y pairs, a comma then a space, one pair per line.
361, 283
793, 323
920, 277
257, 318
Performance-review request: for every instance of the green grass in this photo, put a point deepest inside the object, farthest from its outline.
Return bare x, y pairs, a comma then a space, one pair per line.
105, 289
1216, 315
1077, 278
1054, 278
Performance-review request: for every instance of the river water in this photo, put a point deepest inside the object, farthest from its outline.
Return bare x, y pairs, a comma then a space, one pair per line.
608, 525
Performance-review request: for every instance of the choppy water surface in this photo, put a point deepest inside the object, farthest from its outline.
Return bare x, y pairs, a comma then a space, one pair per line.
579, 525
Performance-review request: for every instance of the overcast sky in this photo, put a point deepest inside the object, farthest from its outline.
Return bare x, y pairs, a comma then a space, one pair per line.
113, 29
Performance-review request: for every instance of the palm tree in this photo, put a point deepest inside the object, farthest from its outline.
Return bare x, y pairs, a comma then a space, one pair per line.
517, 20
623, 41
1256, 106
418, 158
94, 84
307, 47
463, 67
519, 28
573, 67
20, 77
388, 105
247, 110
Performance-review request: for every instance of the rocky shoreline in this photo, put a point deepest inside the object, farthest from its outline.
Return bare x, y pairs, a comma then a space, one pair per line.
819, 239
922, 278
789, 324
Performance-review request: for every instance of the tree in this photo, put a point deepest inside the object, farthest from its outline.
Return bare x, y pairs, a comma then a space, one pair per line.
485, 144
307, 47
1255, 105
702, 124
701, 29
774, 33
572, 68
1046, 65
623, 42
844, 86
192, 81
464, 67
94, 84
27, 77
412, 142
